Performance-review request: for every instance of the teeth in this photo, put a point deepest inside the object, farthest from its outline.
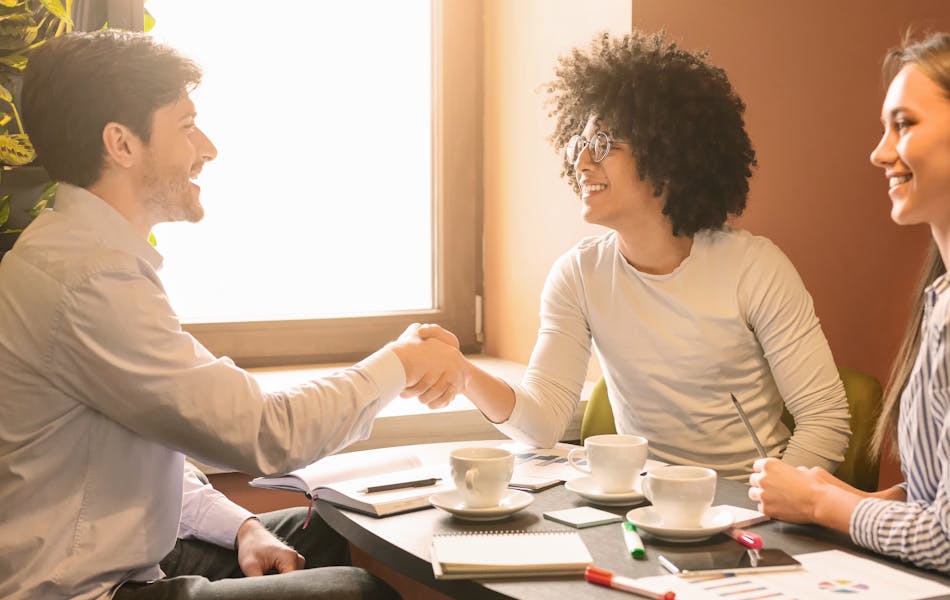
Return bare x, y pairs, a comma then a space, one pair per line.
899, 180
587, 189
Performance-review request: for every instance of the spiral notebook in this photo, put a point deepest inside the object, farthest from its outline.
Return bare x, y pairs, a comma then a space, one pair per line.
497, 554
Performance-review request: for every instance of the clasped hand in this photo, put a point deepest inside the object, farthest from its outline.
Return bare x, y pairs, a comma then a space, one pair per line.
435, 368
261, 553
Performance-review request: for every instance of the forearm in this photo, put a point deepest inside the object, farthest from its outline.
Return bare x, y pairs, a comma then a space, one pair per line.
491, 395
833, 507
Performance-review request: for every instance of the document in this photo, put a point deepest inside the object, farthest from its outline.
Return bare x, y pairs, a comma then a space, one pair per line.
827, 574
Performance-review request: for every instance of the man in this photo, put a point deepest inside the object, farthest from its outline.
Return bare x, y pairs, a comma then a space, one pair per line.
103, 393
683, 310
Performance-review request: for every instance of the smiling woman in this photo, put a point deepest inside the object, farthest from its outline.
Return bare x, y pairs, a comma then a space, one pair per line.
325, 221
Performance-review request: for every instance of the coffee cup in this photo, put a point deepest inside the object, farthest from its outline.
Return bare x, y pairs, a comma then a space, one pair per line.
681, 495
481, 475
614, 460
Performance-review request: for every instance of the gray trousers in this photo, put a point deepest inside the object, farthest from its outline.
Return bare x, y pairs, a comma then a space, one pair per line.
202, 571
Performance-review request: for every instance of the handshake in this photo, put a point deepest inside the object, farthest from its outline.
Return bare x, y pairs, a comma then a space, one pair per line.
435, 368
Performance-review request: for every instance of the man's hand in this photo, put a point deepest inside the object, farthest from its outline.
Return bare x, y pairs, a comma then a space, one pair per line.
260, 552
435, 369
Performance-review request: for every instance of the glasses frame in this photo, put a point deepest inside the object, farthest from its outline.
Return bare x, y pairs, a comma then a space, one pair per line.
586, 144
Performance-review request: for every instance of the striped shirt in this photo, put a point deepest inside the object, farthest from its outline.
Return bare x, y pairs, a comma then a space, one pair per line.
918, 530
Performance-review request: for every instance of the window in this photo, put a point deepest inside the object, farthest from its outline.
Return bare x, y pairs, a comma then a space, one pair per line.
343, 202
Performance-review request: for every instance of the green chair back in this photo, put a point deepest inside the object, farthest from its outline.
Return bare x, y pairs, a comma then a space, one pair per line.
864, 400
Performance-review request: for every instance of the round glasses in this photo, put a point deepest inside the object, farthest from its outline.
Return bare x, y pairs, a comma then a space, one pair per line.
598, 147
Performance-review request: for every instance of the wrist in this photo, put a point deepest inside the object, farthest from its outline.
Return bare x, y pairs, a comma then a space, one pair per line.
248, 527
833, 506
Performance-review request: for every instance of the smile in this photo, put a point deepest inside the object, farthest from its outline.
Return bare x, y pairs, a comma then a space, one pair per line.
896, 181
590, 189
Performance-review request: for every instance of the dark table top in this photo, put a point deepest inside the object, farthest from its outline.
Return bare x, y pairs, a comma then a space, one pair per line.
402, 542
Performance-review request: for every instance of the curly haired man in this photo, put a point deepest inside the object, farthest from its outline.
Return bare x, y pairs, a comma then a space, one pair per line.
682, 309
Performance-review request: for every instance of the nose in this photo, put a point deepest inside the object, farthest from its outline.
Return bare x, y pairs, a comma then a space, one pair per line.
585, 159
884, 154
206, 149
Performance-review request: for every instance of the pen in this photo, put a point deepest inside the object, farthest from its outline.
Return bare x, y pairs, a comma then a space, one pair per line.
749, 540
745, 421
627, 584
632, 539
400, 485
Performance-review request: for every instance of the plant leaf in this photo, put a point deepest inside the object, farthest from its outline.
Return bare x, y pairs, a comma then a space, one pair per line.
17, 31
49, 192
5, 94
4, 119
16, 149
56, 7
149, 22
152, 239
9, 3
4, 209
17, 61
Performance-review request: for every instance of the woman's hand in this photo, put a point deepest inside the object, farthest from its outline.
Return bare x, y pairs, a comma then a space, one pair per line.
802, 495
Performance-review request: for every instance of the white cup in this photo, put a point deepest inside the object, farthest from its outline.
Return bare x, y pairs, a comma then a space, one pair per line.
681, 495
481, 475
615, 460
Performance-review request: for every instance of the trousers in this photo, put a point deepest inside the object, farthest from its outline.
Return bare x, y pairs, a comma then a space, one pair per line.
197, 570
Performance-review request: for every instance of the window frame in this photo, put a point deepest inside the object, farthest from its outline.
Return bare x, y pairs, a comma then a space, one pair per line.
456, 219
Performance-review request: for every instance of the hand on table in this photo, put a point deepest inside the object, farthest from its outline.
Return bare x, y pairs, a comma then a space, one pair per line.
261, 553
435, 369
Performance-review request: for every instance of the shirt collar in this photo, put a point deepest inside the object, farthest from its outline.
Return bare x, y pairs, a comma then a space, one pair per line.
99, 216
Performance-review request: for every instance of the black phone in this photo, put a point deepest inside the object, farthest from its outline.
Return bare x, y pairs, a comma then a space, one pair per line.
729, 561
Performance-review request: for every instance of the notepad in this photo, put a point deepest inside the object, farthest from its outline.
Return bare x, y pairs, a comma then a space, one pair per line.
485, 555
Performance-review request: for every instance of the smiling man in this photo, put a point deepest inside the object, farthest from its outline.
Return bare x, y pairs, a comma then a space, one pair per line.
682, 309
103, 393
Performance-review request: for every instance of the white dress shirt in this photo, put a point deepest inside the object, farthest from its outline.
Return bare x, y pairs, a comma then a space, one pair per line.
103, 394
732, 318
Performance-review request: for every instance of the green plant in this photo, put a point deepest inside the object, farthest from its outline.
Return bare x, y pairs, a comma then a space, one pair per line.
24, 25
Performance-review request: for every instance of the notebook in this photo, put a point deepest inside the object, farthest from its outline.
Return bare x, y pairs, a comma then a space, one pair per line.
498, 554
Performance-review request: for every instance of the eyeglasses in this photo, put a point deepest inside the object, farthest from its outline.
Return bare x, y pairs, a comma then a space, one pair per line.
599, 147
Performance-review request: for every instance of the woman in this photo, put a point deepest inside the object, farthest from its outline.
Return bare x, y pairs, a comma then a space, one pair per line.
910, 521
682, 310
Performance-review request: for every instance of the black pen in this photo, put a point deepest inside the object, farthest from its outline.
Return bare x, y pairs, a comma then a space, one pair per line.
745, 421
402, 484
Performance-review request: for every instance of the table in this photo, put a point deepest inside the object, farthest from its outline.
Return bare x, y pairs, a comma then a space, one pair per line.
402, 542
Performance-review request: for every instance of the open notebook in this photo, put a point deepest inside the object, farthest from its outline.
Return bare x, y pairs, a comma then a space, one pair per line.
497, 554
344, 478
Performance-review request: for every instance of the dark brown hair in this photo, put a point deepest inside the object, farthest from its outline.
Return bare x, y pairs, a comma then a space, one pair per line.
679, 114
76, 84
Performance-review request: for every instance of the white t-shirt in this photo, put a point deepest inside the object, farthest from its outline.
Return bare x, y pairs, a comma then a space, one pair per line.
733, 318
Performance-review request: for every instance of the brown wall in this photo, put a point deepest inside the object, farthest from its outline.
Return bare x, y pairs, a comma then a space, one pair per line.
809, 72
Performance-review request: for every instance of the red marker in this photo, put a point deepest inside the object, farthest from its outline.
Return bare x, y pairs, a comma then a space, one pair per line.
627, 584
749, 540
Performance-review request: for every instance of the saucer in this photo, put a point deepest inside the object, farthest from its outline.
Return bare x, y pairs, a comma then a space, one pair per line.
716, 520
511, 502
586, 487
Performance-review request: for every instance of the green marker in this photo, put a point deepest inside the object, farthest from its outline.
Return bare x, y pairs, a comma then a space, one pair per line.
632, 539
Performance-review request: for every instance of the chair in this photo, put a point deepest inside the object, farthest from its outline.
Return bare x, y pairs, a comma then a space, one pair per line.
864, 400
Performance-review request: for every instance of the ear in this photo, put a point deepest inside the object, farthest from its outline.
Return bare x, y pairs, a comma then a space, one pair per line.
122, 147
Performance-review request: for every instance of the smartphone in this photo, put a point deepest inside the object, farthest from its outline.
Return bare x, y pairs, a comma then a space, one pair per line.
729, 561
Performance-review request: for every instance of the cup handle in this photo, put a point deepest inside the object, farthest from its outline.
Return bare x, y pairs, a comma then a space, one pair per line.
575, 452
470, 476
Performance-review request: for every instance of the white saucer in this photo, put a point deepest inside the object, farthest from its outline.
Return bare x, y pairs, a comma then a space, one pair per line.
511, 502
586, 487
716, 519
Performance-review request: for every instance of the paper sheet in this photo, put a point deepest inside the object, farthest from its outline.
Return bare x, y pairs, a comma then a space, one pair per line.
829, 574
